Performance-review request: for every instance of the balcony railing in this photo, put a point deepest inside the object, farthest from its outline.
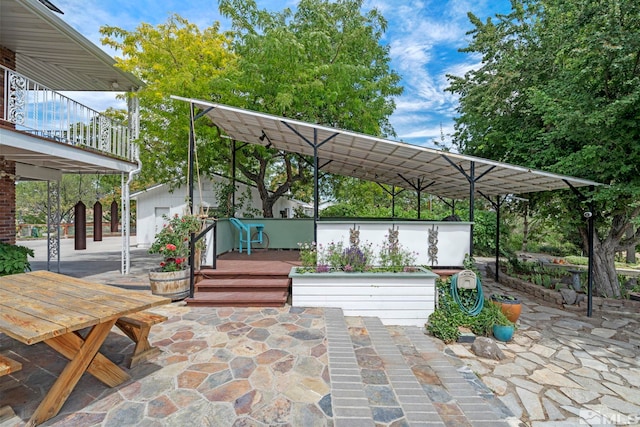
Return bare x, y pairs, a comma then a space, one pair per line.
36, 109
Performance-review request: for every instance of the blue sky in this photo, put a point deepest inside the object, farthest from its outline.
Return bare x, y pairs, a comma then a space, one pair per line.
424, 38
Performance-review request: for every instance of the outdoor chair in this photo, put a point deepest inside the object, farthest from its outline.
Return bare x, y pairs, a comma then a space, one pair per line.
244, 234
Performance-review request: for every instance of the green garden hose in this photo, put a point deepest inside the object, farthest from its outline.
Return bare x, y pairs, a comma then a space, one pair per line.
479, 303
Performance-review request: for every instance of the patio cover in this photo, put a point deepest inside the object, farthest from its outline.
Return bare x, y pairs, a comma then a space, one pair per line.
51, 52
381, 160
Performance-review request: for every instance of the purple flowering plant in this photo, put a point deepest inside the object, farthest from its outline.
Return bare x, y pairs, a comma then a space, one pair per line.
392, 257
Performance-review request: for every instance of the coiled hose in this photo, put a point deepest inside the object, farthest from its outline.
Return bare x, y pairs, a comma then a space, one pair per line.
479, 303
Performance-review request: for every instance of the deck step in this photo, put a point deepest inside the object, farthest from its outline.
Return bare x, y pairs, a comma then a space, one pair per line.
239, 299
242, 285
253, 275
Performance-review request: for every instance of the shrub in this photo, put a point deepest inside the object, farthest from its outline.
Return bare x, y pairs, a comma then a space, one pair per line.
445, 321
14, 259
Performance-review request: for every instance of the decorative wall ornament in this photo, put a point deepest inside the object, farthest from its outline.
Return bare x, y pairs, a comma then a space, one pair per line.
394, 243
53, 221
354, 236
16, 102
432, 252
105, 132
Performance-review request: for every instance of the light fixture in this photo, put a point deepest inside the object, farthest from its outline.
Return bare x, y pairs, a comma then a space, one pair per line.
263, 137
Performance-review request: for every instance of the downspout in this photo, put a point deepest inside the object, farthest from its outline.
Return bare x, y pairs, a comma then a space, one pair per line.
133, 110
126, 214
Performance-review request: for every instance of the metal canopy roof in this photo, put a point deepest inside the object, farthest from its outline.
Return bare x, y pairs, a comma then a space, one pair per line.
52, 53
380, 160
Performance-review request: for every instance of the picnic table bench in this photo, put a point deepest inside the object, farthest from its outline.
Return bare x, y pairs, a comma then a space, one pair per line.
137, 326
42, 306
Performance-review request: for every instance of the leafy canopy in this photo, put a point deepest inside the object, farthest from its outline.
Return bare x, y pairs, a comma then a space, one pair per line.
558, 89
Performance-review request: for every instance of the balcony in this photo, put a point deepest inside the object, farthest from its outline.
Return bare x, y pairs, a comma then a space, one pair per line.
32, 108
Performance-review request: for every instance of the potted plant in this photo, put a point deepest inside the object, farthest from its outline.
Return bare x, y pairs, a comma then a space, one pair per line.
171, 278
503, 328
511, 306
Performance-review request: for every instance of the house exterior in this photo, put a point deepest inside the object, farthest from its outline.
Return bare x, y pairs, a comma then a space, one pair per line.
155, 202
45, 134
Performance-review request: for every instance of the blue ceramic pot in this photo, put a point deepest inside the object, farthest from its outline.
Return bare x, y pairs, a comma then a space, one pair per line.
503, 333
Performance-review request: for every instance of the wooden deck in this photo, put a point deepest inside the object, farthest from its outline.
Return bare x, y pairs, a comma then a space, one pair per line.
240, 280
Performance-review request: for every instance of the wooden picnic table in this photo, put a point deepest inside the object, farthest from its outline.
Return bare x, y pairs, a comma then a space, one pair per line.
42, 306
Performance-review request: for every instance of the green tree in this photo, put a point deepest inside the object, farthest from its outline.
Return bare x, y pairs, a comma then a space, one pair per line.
175, 58
559, 89
324, 64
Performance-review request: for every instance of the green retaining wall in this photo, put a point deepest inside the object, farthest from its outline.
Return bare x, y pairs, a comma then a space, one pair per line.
284, 233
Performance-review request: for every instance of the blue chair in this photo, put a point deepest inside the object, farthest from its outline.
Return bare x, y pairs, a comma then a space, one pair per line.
244, 233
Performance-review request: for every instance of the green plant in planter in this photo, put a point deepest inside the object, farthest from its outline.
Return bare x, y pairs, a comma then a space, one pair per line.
14, 259
490, 315
444, 321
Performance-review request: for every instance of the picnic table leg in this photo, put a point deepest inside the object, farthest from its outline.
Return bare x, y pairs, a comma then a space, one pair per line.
140, 336
66, 382
101, 367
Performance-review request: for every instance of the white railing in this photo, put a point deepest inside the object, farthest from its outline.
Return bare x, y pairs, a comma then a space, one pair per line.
38, 110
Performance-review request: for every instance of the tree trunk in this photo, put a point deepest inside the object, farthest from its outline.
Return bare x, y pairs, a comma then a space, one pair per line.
631, 249
605, 277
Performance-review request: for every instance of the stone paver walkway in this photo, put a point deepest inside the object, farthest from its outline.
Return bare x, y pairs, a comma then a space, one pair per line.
563, 368
261, 367
313, 367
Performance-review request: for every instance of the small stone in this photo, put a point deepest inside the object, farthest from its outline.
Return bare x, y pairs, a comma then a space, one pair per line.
498, 386
531, 404
569, 296
557, 397
487, 348
542, 350
586, 372
594, 364
553, 413
566, 356
548, 377
461, 351
620, 405
531, 386
509, 370
534, 335
512, 403
526, 364
608, 376
580, 396
602, 332
627, 393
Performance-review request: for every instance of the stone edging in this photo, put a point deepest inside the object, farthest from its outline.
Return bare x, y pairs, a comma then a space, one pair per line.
554, 297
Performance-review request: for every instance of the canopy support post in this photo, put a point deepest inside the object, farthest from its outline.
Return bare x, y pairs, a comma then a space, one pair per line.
316, 191
496, 205
471, 177
590, 215
418, 187
393, 193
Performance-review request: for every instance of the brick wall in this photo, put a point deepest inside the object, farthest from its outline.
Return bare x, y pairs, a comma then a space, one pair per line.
7, 201
7, 59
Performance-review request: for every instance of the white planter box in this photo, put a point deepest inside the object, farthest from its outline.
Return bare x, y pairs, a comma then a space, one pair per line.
396, 298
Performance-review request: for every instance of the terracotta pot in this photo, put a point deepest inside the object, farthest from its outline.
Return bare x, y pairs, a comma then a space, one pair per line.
510, 307
170, 284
